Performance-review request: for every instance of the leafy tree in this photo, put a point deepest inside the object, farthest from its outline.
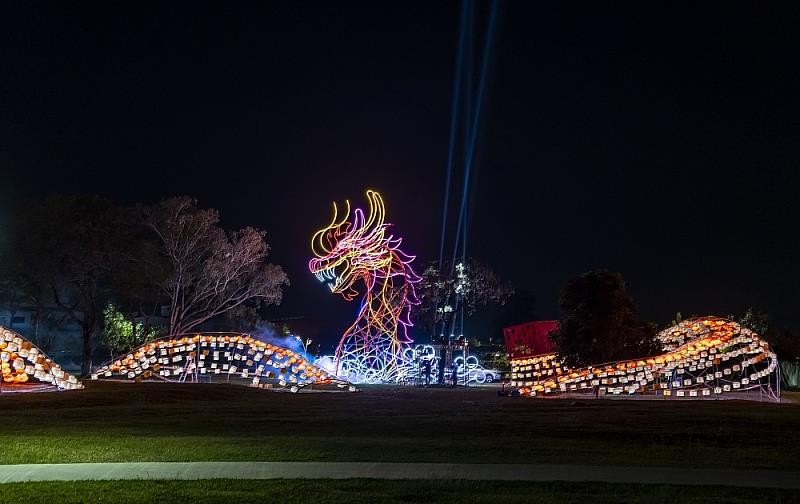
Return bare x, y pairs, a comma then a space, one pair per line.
783, 341
244, 318
444, 292
64, 250
492, 355
137, 280
211, 272
755, 320
600, 322
122, 333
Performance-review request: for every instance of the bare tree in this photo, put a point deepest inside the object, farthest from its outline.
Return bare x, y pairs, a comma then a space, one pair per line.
213, 272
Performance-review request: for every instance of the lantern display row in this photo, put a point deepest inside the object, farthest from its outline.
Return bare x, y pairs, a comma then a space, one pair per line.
23, 364
703, 357
231, 358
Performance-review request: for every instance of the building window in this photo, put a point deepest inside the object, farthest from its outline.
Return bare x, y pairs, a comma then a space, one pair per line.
17, 320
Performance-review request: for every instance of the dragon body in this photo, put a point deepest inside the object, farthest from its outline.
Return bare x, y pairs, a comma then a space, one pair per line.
356, 256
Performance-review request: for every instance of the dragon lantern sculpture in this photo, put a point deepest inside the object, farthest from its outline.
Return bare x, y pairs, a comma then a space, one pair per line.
702, 357
356, 256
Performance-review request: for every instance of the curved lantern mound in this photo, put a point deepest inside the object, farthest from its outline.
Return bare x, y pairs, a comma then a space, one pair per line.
218, 358
704, 356
356, 256
24, 367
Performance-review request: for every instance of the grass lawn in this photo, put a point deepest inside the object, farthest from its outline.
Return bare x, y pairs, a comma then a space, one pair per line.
369, 491
184, 422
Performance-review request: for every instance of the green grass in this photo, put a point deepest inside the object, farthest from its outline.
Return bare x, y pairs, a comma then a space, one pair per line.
165, 422
370, 491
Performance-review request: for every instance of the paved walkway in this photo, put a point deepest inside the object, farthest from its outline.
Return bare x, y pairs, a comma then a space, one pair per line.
383, 470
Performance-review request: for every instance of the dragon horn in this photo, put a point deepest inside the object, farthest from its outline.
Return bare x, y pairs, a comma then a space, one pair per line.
358, 223
318, 240
377, 210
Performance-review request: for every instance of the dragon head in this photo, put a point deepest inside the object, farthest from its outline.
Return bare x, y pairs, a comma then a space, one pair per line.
349, 249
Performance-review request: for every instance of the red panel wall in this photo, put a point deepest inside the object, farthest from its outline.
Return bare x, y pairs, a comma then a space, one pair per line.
530, 338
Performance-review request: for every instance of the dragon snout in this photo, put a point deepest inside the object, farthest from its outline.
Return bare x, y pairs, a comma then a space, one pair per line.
327, 276
324, 273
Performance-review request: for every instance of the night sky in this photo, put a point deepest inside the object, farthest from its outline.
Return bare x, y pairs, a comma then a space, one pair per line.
663, 144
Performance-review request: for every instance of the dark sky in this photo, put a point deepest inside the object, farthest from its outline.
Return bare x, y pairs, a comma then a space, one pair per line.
662, 143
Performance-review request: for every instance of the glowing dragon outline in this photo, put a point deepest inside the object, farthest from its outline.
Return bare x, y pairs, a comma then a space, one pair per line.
359, 247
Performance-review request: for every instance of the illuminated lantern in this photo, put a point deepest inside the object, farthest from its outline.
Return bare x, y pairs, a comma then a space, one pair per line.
179, 360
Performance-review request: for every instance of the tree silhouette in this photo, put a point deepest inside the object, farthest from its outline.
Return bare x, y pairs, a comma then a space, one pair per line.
600, 322
211, 272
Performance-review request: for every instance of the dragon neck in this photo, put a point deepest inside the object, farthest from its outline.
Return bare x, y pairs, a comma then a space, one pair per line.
384, 303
